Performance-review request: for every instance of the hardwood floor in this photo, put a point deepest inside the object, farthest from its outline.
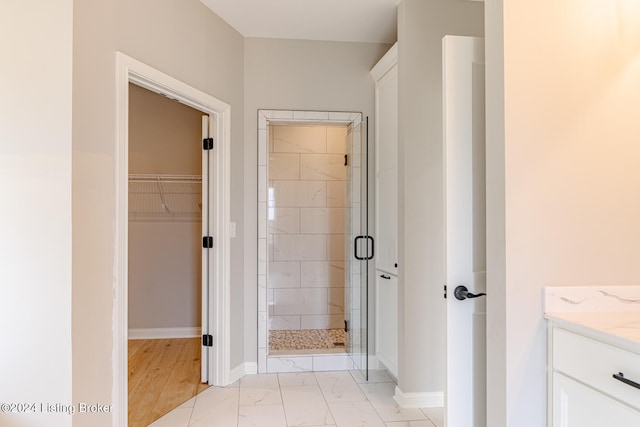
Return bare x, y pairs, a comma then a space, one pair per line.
163, 374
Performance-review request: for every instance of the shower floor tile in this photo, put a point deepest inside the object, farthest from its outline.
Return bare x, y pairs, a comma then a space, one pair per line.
306, 339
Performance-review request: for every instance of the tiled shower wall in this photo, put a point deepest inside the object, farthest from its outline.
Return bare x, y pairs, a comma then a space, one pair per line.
306, 226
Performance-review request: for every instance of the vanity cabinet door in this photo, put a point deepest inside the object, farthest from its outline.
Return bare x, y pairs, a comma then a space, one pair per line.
386, 212
385, 75
577, 405
387, 321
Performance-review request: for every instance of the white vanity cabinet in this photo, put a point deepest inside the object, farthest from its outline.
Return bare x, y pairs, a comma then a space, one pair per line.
385, 75
582, 388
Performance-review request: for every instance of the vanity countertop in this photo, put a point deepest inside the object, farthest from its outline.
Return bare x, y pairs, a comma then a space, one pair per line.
621, 329
609, 313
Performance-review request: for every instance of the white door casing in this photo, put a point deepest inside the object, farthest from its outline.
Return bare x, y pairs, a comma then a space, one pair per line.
464, 136
207, 359
130, 70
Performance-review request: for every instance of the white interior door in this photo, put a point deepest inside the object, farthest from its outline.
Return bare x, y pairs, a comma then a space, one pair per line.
207, 360
464, 136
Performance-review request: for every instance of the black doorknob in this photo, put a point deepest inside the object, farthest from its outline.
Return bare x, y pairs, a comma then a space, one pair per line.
462, 293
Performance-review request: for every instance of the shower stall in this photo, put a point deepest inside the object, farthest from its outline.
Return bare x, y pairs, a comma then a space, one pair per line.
306, 238
312, 250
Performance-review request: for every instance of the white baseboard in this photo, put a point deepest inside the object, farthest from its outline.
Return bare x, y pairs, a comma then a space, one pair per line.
373, 362
241, 370
419, 400
163, 333
392, 368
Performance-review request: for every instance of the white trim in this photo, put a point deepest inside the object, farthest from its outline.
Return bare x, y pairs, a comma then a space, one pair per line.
247, 368
386, 63
375, 363
433, 399
129, 70
164, 333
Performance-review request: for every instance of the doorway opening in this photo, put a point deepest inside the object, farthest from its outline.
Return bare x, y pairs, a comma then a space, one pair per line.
165, 261
309, 173
215, 285
306, 238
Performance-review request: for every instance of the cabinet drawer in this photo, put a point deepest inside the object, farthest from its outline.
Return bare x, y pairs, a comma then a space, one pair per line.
594, 363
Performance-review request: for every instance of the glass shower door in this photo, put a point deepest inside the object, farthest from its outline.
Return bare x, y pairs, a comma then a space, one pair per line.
359, 247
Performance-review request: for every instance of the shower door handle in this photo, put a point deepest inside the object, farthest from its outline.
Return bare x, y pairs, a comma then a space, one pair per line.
356, 252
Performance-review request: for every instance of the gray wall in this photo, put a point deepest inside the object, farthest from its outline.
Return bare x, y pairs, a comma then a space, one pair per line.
165, 259
295, 75
421, 26
185, 40
35, 220
496, 250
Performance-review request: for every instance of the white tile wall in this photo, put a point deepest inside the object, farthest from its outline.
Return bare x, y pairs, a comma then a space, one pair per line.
311, 115
299, 194
289, 364
284, 221
322, 220
335, 247
262, 257
306, 223
300, 301
337, 139
285, 158
284, 274
299, 139
302, 247
322, 273
262, 220
336, 194
269, 242
284, 166
283, 323
322, 321
262, 331
262, 184
328, 167
336, 300
262, 148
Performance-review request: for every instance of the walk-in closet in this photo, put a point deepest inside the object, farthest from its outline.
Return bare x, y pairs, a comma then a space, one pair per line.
164, 254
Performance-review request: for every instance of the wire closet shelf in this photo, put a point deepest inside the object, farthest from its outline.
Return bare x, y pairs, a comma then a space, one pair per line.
162, 197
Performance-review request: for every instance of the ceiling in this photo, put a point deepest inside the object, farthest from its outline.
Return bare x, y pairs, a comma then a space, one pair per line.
371, 21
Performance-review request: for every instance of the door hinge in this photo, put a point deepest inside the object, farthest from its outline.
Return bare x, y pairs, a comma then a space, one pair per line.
346, 160
207, 242
445, 292
207, 340
346, 326
207, 144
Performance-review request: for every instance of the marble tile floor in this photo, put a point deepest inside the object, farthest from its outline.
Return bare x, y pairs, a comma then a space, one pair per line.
340, 399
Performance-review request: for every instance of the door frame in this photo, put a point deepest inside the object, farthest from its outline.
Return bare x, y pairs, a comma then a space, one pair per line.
298, 363
130, 70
